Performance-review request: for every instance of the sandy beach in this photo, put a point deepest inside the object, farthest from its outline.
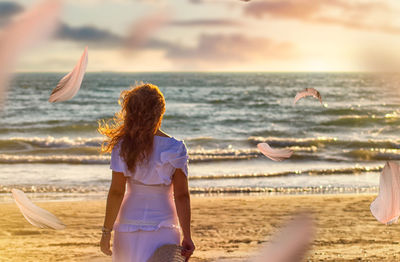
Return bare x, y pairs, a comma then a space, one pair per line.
226, 228
279, 107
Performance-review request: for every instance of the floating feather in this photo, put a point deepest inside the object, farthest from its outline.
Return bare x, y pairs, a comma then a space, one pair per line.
274, 154
308, 92
70, 84
291, 243
140, 31
386, 207
35, 215
32, 27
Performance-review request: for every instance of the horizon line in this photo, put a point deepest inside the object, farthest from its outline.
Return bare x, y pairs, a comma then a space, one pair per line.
205, 71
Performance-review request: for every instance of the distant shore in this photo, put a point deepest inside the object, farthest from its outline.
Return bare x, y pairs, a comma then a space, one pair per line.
230, 228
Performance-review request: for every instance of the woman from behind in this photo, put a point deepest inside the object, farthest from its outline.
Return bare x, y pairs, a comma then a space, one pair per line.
153, 168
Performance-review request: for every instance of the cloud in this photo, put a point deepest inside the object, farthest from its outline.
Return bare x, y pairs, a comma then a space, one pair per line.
209, 49
222, 50
8, 10
369, 16
196, 1
225, 2
90, 35
377, 57
230, 49
206, 23
87, 34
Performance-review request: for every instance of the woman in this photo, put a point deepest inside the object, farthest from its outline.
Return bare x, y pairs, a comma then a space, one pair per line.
153, 166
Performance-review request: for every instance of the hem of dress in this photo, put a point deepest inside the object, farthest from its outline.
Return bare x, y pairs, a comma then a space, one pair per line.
125, 228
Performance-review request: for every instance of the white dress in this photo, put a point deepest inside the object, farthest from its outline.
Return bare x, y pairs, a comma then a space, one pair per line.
147, 218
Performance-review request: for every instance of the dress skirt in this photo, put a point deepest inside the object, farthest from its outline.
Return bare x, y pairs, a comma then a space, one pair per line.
139, 246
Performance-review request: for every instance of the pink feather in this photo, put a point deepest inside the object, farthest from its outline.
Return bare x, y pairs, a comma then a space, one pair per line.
386, 207
308, 92
291, 243
274, 154
140, 31
32, 27
70, 84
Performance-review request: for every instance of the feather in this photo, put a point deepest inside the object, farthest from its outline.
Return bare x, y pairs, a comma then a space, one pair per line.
69, 85
32, 27
140, 31
274, 154
291, 243
35, 215
386, 207
308, 92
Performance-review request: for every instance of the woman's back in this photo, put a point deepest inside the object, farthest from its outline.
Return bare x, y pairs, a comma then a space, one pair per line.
148, 203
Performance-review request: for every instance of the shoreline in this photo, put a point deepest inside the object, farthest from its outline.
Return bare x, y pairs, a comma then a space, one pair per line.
49, 197
223, 228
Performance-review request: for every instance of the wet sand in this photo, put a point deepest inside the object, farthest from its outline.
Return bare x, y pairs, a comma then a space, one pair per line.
224, 228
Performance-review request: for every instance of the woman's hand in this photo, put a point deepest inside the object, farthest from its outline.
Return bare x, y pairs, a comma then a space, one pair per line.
188, 248
105, 244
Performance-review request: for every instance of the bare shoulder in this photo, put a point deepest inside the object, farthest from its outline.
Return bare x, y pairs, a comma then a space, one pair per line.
162, 133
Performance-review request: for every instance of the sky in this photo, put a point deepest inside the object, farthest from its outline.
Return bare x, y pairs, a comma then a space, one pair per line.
220, 35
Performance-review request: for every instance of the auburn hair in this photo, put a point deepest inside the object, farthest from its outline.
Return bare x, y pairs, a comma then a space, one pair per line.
142, 109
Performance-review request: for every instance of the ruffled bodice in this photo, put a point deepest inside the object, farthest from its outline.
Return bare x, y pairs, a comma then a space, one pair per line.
148, 202
168, 154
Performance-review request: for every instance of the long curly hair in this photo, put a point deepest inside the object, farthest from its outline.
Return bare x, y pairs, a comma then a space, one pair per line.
142, 109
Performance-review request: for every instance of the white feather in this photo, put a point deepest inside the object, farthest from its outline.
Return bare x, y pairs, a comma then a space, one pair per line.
308, 92
274, 154
291, 243
35, 215
70, 84
32, 27
386, 207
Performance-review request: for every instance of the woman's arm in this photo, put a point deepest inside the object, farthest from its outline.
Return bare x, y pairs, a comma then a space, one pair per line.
114, 200
182, 203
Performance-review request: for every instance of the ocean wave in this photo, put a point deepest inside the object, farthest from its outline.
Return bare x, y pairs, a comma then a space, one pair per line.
78, 151
53, 188
48, 142
194, 157
281, 190
288, 141
201, 139
311, 172
53, 159
68, 127
324, 141
202, 155
341, 111
101, 190
87, 150
364, 120
297, 144
67, 142
374, 154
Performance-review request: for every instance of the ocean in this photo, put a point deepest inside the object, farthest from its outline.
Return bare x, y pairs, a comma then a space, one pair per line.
51, 151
